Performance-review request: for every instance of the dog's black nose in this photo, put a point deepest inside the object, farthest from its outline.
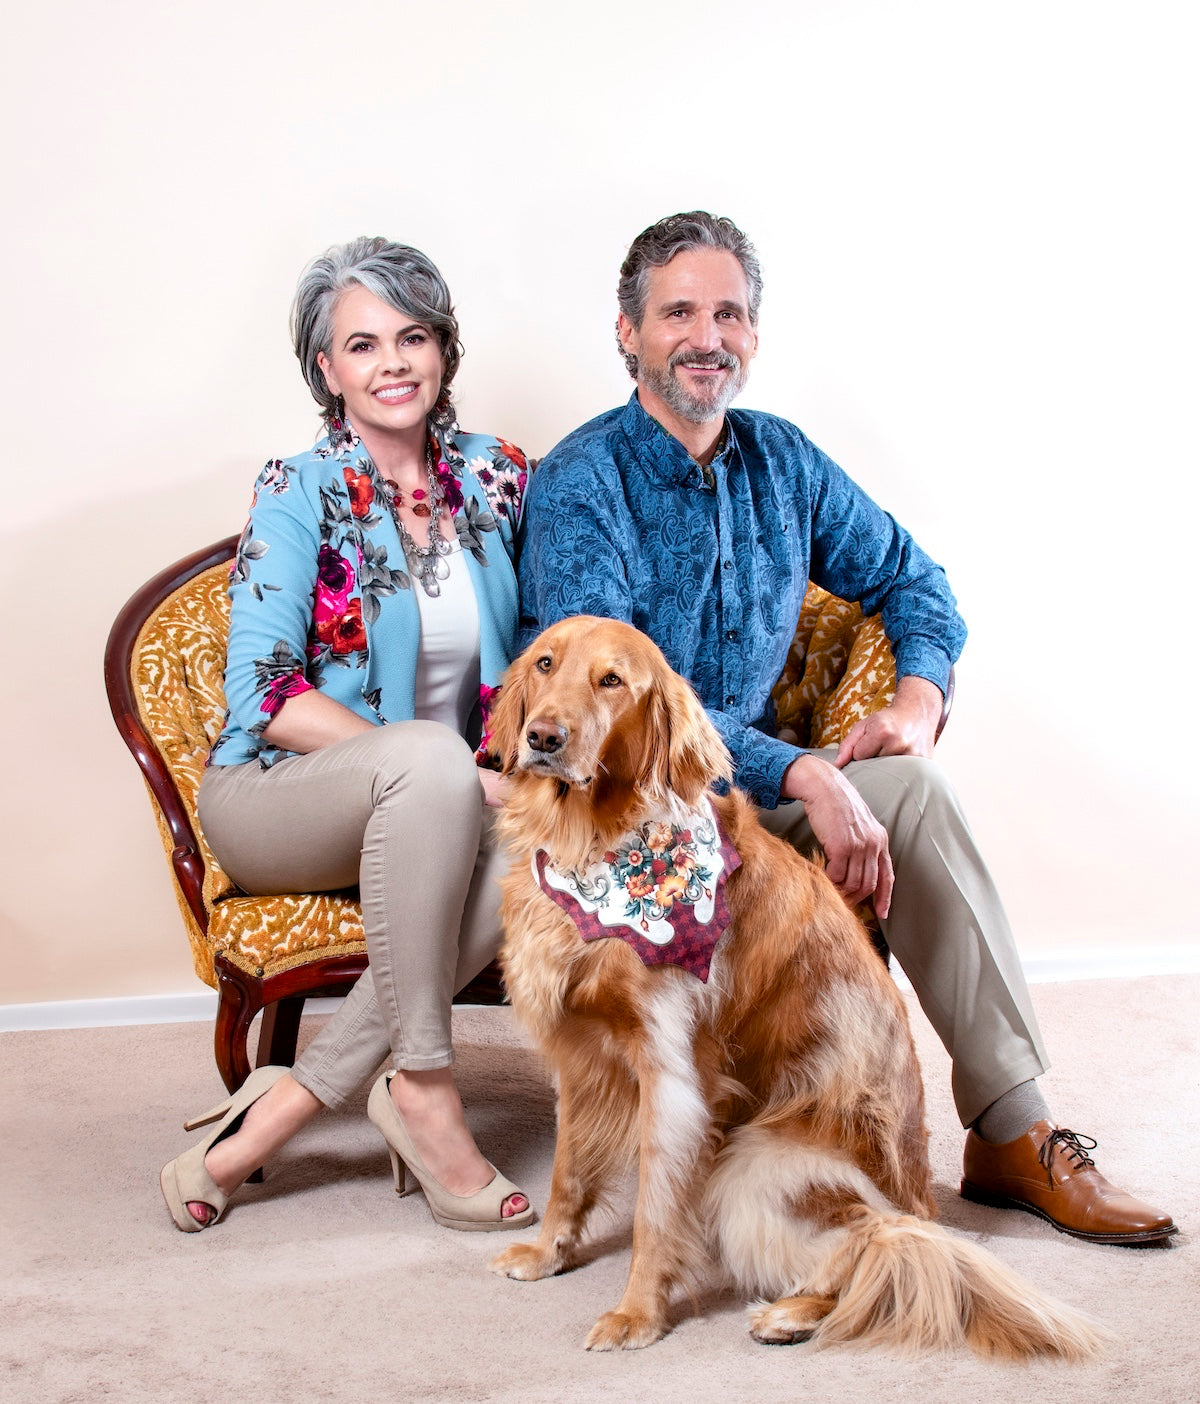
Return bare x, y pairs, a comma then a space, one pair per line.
546, 736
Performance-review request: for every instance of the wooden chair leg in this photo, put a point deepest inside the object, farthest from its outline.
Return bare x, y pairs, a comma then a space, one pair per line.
279, 1031
236, 1009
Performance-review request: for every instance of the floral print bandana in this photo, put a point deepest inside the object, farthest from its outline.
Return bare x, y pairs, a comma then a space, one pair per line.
661, 890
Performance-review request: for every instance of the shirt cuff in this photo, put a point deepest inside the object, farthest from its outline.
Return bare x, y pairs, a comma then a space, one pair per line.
761, 766
921, 659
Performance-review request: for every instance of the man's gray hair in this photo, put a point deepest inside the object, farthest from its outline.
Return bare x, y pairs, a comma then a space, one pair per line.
657, 246
398, 275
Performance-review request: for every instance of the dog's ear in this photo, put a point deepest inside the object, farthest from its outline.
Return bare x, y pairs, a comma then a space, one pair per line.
508, 714
684, 753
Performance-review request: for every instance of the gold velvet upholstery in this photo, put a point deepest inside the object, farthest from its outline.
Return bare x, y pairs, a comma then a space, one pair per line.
164, 667
839, 669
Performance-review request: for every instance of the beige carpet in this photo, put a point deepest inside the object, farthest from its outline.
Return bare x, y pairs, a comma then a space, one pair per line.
321, 1285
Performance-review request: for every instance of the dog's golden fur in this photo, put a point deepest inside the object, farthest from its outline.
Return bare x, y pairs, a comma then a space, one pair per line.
776, 1111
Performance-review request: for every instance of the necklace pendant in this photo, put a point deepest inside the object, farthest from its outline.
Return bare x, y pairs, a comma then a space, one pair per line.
420, 509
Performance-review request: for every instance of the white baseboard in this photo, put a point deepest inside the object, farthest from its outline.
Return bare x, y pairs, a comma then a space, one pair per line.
1057, 967
201, 1006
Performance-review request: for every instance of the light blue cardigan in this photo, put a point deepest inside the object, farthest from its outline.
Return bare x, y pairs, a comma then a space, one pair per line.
320, 596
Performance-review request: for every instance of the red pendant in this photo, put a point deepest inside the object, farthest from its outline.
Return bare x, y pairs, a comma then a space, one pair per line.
420, 509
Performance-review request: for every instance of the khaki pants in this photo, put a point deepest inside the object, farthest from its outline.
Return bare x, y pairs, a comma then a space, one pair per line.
946, 927
398, 811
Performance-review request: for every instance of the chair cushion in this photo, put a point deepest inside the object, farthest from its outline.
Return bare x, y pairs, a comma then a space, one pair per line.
267, 934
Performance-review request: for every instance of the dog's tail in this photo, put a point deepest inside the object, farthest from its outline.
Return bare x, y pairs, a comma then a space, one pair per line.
806, 1225
904, 1282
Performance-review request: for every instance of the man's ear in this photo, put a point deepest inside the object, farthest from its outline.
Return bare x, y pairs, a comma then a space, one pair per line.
626, 331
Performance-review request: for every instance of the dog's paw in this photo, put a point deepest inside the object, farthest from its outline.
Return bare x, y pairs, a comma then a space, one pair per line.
526, 1262
623, 1330
789, 1320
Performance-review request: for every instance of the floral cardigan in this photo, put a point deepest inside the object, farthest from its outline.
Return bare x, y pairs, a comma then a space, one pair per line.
320, 597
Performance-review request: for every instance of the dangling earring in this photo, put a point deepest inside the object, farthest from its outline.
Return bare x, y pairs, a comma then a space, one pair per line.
442, 413
335, 424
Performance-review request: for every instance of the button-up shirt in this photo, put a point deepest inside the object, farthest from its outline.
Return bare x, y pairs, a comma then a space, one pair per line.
620, 522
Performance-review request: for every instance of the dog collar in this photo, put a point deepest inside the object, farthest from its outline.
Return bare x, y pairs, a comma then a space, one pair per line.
661, 889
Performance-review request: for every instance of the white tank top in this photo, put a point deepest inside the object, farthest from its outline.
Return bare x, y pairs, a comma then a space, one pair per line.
448, 655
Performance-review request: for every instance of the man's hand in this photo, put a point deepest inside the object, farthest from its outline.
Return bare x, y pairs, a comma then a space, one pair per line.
855, 843
906, 727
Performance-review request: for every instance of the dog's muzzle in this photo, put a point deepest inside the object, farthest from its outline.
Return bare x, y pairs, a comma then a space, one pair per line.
544, 752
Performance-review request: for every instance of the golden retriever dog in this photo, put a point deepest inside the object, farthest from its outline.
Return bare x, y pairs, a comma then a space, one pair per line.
767, 1085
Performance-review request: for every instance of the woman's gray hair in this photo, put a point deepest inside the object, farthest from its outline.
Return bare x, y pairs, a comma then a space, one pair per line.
398, 275
657, 246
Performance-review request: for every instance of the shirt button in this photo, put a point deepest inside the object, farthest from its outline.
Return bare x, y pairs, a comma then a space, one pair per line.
727, 565
731, 633
730, 700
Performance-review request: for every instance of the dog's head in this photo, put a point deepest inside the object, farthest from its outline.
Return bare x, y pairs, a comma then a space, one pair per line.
593, 706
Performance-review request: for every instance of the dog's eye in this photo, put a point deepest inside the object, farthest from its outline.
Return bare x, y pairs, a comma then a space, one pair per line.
543, 664
610, 680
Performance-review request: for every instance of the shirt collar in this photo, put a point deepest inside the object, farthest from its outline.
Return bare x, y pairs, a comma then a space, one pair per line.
664, 458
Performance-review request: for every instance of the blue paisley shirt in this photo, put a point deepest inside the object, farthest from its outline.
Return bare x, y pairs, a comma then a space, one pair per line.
621, 521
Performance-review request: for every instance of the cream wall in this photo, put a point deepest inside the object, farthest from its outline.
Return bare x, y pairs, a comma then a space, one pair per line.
980, 248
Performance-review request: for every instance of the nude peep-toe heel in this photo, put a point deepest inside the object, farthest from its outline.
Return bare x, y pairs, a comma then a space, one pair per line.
480, 1212
184, 1180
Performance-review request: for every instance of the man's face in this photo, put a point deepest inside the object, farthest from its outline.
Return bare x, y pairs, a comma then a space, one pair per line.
696, 339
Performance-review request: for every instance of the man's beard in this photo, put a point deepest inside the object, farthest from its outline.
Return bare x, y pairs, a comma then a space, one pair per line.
696, 409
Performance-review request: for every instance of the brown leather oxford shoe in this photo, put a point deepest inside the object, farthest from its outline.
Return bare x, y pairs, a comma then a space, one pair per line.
1048, 1172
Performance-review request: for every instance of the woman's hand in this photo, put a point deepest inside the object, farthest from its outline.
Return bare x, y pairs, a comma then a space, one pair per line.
495, 787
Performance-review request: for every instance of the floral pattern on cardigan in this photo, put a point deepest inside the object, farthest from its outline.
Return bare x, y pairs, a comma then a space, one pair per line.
321, 597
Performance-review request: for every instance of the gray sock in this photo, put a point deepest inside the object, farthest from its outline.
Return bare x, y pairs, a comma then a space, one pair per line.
1012, 1114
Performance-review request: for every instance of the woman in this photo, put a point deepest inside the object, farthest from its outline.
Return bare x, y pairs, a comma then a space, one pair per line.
374, 608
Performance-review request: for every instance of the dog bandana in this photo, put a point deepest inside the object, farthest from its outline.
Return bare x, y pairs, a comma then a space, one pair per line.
661, 890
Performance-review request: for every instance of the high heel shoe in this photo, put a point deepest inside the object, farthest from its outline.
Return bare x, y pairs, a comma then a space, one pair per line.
184, 1180
474, 1213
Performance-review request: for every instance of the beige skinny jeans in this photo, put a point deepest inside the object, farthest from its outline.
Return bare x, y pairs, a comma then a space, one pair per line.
398, 811
946, 927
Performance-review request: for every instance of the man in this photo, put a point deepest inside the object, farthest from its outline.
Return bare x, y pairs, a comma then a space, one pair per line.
702, 526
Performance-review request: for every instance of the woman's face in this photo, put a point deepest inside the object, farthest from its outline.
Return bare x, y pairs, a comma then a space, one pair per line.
386, 367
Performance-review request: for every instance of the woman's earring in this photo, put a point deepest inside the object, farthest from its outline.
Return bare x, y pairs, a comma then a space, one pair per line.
442, 413
335, 423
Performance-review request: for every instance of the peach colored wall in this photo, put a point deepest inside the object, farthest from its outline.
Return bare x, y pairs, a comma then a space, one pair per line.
979, 243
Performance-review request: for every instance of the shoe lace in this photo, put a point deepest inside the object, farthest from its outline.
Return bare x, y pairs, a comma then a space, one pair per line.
1075, 1147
